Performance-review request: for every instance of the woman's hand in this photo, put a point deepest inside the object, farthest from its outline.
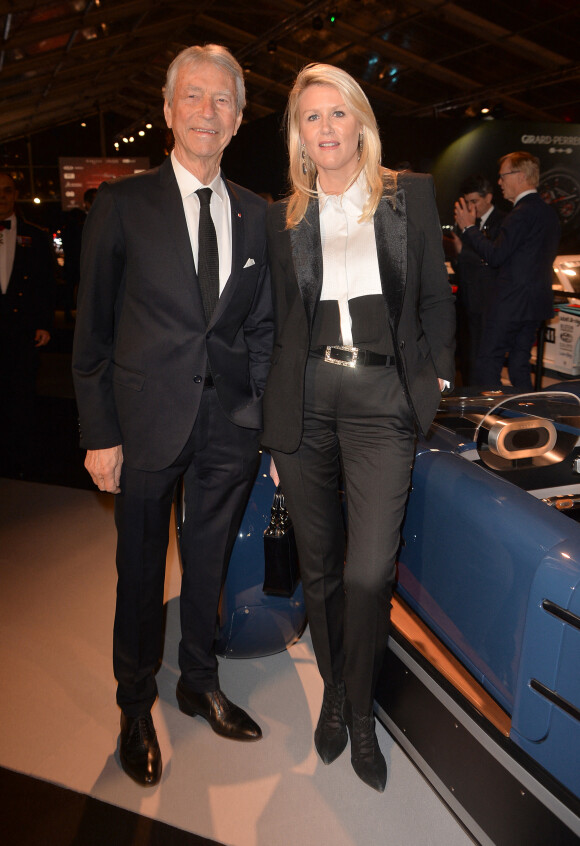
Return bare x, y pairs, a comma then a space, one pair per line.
274, 472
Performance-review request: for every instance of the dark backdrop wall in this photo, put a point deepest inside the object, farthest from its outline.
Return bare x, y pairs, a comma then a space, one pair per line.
256, 157
449, 149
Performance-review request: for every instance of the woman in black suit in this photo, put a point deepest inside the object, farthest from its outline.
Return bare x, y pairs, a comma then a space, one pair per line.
364, 341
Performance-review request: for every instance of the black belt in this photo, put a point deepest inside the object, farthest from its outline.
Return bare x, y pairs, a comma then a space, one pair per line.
352, 356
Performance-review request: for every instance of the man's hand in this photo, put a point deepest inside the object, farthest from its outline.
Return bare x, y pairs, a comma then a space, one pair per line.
464, 216
41, 338
104, 466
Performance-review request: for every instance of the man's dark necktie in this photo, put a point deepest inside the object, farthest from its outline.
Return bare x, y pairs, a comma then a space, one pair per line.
5, 224
208, 256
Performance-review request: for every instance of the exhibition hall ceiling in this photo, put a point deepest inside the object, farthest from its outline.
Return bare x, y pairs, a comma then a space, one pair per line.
69, 60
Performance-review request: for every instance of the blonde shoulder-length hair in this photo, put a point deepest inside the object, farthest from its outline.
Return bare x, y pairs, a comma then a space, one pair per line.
302, 171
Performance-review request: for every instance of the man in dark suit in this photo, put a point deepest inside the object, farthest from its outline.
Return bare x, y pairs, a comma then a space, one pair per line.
523, 253
27, 284
474, 274
169, 373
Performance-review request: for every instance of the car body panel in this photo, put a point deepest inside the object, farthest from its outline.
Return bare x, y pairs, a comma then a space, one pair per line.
482, 558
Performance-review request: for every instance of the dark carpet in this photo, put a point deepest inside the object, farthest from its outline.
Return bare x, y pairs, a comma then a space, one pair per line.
53, 456
43, 814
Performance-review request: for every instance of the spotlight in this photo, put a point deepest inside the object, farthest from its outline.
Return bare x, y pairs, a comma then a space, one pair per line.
148, 126
36, 200
141, 132
125, 140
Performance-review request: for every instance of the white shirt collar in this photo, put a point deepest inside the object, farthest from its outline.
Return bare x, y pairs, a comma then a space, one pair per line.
352, 201
524, 193
188, 183
485, 216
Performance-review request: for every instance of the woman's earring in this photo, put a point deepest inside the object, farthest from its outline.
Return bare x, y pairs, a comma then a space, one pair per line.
360, 145
303, 157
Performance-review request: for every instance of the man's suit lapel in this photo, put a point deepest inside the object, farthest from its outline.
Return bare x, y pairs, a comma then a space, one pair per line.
175, 232
391, 239
307, 258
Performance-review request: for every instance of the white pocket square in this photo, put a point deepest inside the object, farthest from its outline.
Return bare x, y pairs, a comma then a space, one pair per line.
249, 263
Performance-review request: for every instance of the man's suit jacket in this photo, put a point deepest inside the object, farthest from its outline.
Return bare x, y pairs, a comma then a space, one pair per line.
419, 304
475, 276
28, 303
523, 253
139, 356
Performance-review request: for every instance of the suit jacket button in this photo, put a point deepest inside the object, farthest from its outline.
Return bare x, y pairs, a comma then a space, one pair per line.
402, 345
198, 379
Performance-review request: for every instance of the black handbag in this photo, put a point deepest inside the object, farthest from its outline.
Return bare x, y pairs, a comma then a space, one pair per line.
281, 573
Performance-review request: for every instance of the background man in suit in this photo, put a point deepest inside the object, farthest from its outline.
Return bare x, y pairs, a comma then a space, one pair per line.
72, 233
523, 253
27, 284
474, 273
169, 379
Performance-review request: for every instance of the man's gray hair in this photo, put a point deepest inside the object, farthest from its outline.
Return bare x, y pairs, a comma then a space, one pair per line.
213, 54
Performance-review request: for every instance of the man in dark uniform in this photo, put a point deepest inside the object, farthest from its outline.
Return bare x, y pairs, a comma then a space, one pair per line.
475, 276
27, 282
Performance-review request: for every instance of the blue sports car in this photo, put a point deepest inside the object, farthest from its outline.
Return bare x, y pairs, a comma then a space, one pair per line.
482, 682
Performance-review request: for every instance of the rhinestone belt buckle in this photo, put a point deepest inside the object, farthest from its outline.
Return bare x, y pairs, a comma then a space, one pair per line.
329, 357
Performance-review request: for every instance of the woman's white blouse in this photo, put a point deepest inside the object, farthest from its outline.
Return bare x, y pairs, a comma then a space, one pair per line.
349, 251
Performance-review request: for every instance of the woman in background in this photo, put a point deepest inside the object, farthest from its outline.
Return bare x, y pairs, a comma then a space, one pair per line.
364, 342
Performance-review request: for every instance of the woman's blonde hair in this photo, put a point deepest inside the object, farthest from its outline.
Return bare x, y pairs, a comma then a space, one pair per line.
303, 184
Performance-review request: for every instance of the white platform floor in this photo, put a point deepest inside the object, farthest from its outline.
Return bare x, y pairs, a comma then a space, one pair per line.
59, 721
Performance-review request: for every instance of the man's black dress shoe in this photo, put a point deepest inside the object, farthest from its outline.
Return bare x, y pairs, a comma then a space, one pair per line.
330, 737
139, 751
365, 754
224, 717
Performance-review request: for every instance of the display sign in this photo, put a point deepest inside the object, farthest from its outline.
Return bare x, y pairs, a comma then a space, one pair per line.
79, 174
